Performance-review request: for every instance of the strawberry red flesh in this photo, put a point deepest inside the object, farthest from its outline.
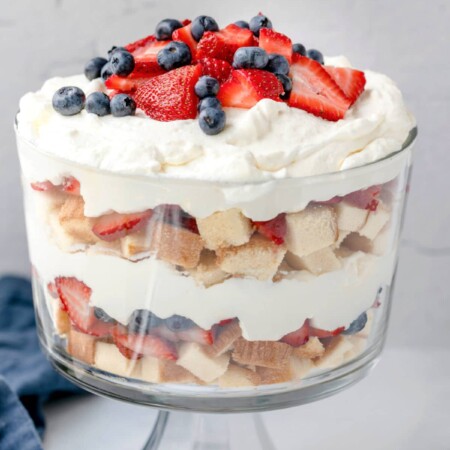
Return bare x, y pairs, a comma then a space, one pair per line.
317, 332
365, 198
351, 81
298, 337
273, 42
71, 186
184, 35
274, 229
42, 186
216, 68
196, 334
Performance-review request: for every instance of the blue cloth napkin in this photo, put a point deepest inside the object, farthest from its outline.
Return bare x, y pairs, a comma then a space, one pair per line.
27, 380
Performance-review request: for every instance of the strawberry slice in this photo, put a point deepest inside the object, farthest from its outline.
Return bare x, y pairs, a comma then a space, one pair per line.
147, 345
216, 68
351, 81
184, 35
298, 337
224, 322
274, 229
196, 334
273, 42
128, 353
71, 186
51, 288
170, 96
317, 332
246, 87
365, 198
224, 43
129, 83
315, 91
145, 52
42, 186
115, 226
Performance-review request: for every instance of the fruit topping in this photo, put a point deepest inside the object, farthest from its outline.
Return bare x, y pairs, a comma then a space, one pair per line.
165, 28
93, 68
143, 321
357, 325
201, 24
315, 55
273, 42
242, 24
128, 84
121, 63
286, 82
258, 22
123, 105
145, 52
178, 323
317, 332
184, 35
300, 49
100, 314
71, 185
208, 102
106, 72
274, 229
216, 68
298, 337
68, 100
42, 186
351, 81
173, 55
207, 87
98, 103
250, 58
212, 120
277, 64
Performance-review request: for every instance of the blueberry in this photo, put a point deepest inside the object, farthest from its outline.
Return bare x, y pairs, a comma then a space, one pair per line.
142, 321
122, 105
277, 64
98, 103
315, 55
106, 72
242, 24
68, 100
212, 121
207, 87
93, 68
165, 28
173, 55
201, 24
179, 323
100, 314
258, 22
209, 102
114, 49
299, 48
122, 63
250, 58
357, 325
287, 85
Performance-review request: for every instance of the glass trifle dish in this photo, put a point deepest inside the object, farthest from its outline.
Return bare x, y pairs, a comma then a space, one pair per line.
213, 217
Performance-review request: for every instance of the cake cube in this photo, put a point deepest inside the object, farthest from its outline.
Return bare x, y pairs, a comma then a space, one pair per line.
273, 376
334, 354
300, 367
175, 245
349, 217
208, 273
194, 357
312, 349
155, 370
381, 243
375, 222
226, 337
358, 344
310, 230
317, 263
135, 244
62, 321
224, 229
270, 354
236, 377
109, 359
259, 258
62, 239
81, 346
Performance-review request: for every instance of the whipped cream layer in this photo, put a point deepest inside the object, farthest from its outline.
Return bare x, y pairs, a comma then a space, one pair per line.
269, 141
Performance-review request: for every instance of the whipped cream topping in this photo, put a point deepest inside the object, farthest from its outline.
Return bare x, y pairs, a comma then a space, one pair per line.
269, 141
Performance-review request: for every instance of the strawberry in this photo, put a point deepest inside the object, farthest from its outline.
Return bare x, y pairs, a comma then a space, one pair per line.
111, 227
170, 96
298, 337
148, 345
274, 229
71, 186
184, 35
317, 332
174, 215
274, 42
224, 322
196, 334
216, 68
351, 81
246, 87
224, 43
315, 91
51, 288
128, 353
42, 186
145, 52
127, 84
365, 198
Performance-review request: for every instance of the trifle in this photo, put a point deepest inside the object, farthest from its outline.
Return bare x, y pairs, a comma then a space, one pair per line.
214, 211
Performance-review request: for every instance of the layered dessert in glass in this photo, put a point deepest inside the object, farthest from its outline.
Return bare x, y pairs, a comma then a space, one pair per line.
214, 207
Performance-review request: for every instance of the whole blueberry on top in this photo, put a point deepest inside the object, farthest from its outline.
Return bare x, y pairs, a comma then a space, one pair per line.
242, 24
100, 314
300, 49
173, 55
113, 49
142, 321
287, 85
212, 120
250, 58
68, 100
315, 55
165, 28
258, 22
93, 68
122, 63
201, 24
106, 71
98, 103
179, 323
357, 325
277, 64
122, 105
209, 102
207, 87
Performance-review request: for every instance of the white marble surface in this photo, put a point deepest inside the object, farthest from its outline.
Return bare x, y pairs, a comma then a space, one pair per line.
402, 405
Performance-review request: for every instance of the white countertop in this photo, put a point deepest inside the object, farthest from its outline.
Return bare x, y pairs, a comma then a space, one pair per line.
402, 405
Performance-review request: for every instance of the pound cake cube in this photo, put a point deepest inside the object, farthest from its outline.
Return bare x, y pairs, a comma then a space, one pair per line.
334, 354
317, 263
273, 376
380, 244
175, 245
358, 346
226, 337
194, 357
300, 367
310, 230
236, 377
259, 258
270, 354
135, 244
312, 349
81, 346
375, 222
208, 273
155, 370
225, 229
109, 359
349, 217
62, 321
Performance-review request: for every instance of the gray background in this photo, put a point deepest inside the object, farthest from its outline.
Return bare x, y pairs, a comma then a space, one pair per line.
406, 39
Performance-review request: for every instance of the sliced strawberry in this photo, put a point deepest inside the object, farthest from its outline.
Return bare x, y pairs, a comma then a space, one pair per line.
114, 226
147, 345
184, 35
365, 198
298, 337
71, 186
127, 352
317, 332
246, 87
224, 322
51, 288
170, 96
125, 84
351, 81
216, 68
273, 42
145, 52
42, 186
274, 229
164, 332
174, 215
315, 91
196, 334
